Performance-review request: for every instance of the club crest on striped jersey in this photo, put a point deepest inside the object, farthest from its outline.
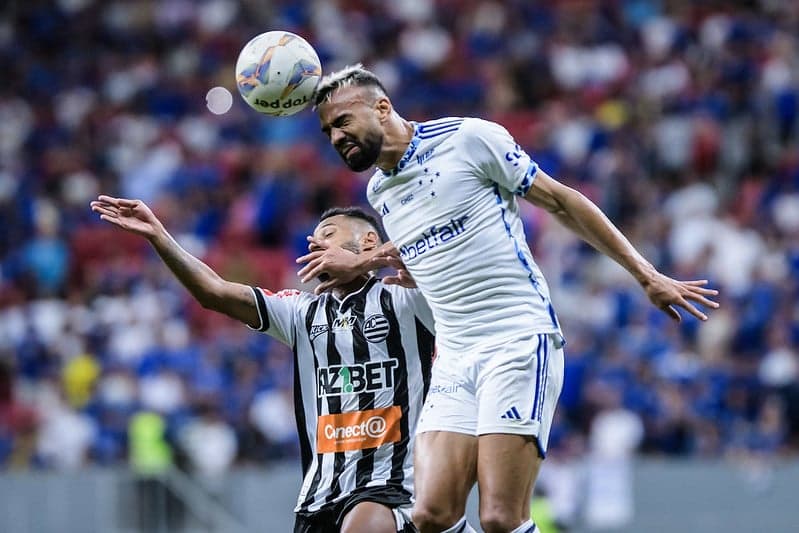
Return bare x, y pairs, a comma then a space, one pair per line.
375, 328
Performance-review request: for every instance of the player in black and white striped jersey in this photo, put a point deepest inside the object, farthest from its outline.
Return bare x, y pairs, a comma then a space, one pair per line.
371, 349
362, 368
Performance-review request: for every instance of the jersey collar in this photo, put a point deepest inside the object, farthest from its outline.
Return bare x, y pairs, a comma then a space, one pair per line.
348, 299
406, 158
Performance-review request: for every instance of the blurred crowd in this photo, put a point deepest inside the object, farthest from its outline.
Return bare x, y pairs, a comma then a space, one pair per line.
680, 119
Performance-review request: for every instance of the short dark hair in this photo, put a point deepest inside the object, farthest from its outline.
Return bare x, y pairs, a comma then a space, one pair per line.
360, 213
351, 75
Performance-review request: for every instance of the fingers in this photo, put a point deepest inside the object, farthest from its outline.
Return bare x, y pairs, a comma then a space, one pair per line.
118, 203
113, 219
325, 286
102, 210
124, 202
114, 206
406, 280
693, 290
681, 301
401, 278
307, 258
95, 205
313, 270
113, 212
673, 314
395, 263
108, 214
670, 294
668, 307
709, 292
697, 294
703, 301
310, 275
688, 306
108, 200
697, 285
696, 282
378, 262
386, 261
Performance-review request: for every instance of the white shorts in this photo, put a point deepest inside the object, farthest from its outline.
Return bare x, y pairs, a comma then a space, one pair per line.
511, 387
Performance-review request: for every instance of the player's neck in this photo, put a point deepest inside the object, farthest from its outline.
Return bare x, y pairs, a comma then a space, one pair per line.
355, 285
398, 135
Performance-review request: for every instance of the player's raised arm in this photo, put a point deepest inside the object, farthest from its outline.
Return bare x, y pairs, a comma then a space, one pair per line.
208, 288
582, 216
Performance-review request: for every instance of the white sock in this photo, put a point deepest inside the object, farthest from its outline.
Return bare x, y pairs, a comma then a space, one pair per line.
461, 526
527, 527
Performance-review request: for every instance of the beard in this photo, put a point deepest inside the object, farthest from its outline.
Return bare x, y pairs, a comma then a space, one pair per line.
352, 246
368, 152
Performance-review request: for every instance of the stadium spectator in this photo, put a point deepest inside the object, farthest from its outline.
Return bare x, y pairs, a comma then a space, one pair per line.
701, 99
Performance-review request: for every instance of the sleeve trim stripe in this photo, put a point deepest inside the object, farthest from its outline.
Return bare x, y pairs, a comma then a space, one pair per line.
527, 180
260, 305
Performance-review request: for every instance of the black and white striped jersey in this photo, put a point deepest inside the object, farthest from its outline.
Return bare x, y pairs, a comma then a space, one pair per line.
361, 371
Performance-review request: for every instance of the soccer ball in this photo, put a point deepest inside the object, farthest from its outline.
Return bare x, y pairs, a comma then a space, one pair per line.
277, 73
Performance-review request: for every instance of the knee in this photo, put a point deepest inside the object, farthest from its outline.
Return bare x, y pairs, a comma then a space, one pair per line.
499, 520
434, 519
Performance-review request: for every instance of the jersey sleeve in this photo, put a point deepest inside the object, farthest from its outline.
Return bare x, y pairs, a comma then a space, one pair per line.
413, 300
498, 157
278, 312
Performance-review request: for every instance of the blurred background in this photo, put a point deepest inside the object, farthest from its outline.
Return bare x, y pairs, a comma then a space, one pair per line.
126, 407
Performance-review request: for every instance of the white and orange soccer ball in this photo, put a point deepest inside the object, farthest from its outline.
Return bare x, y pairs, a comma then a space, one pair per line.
277, 73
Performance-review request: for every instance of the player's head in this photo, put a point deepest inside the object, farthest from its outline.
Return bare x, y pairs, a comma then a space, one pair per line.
353, 107
351, 228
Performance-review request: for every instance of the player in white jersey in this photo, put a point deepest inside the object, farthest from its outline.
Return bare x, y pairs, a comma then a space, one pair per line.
362, 367
447, 190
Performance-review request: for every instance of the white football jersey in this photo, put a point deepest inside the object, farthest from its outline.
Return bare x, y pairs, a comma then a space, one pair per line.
451, 210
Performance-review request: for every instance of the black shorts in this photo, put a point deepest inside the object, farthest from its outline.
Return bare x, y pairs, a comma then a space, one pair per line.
329, 519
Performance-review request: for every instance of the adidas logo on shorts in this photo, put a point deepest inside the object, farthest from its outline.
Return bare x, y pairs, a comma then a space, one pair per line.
511, 414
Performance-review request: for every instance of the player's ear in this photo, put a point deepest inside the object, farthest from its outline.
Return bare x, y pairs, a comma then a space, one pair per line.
383, 107
369, 241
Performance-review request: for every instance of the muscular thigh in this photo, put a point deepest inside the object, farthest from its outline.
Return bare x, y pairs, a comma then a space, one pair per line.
517, 391
445, 451
444, 471
369, 517
507, 467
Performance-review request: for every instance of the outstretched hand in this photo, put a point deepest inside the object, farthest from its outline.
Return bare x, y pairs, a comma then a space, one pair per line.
335, 266
130, 215
667, 294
